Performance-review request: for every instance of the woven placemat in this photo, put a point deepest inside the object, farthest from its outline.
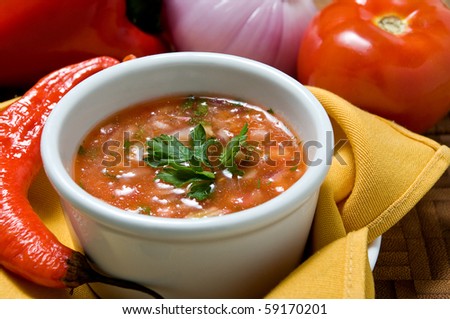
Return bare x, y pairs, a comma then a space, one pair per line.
414, 260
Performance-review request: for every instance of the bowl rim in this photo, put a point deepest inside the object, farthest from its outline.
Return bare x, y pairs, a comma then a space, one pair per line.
120, 220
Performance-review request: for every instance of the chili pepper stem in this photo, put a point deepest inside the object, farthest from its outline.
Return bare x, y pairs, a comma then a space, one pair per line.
81, 272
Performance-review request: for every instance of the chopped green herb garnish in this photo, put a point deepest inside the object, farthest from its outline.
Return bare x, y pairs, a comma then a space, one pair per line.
202, 109
189, 102
145, 210
271, 111
238, 103
81, 150
127, 144
200, 144
198, 108
139, 134
182, 175
233, 147
201, 190
165, 150
190, 166
107, 173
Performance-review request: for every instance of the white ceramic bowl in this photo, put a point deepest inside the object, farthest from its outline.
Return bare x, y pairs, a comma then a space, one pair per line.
243, 254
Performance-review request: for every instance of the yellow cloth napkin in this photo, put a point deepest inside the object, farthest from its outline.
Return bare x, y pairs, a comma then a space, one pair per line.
379, 172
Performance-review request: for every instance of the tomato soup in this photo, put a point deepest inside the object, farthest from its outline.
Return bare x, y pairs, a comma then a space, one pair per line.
189, 157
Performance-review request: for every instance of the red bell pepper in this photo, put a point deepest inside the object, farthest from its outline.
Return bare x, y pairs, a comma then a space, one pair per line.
39, 36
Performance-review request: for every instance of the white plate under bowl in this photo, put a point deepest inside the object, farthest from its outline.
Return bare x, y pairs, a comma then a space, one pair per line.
373, 251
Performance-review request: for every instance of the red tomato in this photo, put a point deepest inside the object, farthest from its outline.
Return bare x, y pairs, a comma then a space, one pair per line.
390, 57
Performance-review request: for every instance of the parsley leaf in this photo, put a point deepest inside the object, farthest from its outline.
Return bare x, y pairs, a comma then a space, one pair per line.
201, 190
166, 149
199, 182
183, 166
200, 145
233, 147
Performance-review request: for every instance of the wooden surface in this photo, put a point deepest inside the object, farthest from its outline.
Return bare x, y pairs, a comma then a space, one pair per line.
414, 261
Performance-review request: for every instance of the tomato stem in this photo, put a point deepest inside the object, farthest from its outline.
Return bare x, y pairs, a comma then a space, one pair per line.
392, 24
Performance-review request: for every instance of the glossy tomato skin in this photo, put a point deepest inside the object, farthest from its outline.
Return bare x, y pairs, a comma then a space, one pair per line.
404, 77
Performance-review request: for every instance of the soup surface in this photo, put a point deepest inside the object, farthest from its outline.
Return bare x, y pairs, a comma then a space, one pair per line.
189, 157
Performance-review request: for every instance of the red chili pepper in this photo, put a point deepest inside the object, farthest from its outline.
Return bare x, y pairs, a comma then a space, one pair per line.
27, 247
39, 36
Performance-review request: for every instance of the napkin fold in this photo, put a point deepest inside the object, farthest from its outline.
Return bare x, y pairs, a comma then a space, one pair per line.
379, 172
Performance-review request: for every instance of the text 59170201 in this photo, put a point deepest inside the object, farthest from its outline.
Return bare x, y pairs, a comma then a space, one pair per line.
294, 309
